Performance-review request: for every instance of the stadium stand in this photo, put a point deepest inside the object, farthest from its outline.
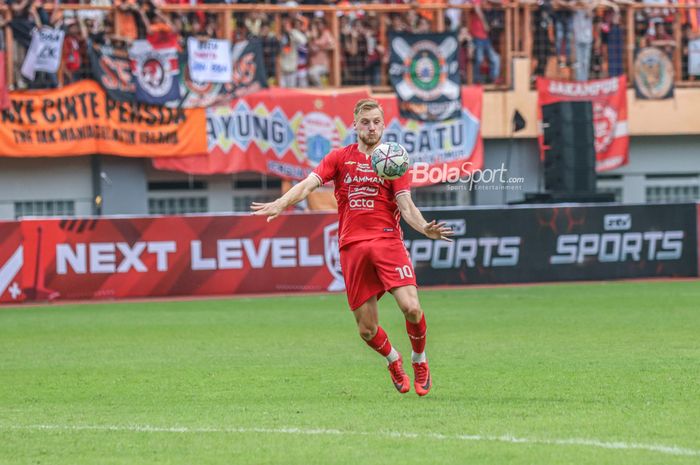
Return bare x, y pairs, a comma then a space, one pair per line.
503, 45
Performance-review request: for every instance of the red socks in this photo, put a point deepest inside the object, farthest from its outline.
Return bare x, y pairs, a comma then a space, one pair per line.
416, 332
380, 342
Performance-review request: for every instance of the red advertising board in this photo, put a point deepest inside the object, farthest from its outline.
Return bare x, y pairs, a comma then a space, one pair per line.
11, 261
163, 256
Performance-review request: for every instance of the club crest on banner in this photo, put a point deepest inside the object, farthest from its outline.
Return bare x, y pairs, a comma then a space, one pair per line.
653, 74
605, 123
425, 74
156, 70
154, 74
317, 135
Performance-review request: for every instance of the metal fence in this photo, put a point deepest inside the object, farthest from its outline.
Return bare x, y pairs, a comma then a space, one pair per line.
347, 45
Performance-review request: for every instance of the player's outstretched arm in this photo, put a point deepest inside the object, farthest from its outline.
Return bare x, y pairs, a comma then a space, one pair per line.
414, 218
293, 196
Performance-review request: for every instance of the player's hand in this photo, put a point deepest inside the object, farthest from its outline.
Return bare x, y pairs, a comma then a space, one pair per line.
435, 230
269, 209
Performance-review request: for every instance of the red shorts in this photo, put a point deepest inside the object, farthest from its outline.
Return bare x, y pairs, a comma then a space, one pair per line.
373, 267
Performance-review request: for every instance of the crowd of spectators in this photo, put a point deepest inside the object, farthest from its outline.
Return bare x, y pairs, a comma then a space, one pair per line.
588, 36
584, 37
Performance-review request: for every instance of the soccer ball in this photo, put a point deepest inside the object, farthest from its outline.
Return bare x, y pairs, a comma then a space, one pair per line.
390, 160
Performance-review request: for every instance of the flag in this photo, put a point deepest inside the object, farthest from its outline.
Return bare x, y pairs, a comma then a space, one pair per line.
154, 63
44, 53
113, 71
424, 71
610, 124
209, 60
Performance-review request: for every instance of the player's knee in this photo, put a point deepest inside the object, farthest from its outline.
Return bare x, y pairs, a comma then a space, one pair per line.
367, 331
411, 310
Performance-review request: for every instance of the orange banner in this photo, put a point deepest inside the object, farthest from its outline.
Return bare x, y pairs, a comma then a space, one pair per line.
81, 120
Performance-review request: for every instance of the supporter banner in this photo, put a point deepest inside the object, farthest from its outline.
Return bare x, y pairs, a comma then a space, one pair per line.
439, 148
155, 66
44, 53
277, 131
112, 70
534, 244
609, 98
286, 133
424, 72
249, 73
209, 60
653, 74
694, 57
11, 261
248, 77
106, 258
80, 119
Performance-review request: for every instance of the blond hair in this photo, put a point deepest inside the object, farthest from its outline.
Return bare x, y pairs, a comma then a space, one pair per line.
367, 104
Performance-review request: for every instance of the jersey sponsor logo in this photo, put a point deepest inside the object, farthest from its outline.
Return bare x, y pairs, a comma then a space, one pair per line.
351, 162
331, 254
361, 204
357, 178
363, 191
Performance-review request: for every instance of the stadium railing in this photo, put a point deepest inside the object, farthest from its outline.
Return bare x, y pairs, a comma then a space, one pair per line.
518, 30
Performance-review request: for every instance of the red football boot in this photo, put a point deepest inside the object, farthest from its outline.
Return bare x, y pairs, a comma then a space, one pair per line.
401, 381
421, 378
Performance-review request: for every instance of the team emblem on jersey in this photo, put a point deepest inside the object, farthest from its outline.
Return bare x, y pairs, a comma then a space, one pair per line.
364, 168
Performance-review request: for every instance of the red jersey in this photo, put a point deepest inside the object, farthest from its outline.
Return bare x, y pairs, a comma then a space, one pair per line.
366, 203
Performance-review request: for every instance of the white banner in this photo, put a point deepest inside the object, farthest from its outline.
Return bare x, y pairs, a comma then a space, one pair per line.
210, 60
694, 57
44, 52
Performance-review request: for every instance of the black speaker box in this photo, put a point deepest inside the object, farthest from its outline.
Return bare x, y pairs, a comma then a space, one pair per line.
569, 156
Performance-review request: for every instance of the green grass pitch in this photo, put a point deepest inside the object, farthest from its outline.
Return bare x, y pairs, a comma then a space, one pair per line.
601, 373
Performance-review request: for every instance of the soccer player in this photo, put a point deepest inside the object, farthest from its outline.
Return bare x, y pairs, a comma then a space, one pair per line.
372, 253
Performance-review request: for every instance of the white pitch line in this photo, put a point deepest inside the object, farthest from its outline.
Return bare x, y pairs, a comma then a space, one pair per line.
620, 445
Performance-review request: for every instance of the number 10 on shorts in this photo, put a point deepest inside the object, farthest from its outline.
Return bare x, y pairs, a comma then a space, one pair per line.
404, 271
